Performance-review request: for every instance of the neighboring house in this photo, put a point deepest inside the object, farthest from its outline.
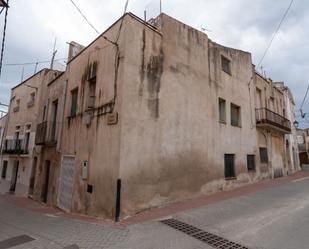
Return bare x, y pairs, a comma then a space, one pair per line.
17, 152
303, 147
271, 126
3, 165
154, 113
291, 144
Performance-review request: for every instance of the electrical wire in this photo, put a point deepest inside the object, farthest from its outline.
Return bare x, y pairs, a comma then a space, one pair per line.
31, 63
302, 104
3, 36
275, 33
86, 19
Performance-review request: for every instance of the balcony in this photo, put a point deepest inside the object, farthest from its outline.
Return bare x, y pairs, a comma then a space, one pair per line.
269, 119
15, 146
46, 133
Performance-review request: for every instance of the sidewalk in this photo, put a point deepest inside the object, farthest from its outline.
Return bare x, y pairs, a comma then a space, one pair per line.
160, 212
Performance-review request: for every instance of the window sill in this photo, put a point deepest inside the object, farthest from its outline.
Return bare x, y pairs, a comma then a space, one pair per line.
230, 178
237, 126
222, 122
252, 171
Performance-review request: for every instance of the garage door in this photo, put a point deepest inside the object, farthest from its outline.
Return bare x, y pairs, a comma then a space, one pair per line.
66, 183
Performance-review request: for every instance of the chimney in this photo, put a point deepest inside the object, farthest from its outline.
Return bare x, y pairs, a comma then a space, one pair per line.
74, 49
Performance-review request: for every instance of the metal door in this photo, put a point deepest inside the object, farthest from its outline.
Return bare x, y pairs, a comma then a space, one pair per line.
66, 182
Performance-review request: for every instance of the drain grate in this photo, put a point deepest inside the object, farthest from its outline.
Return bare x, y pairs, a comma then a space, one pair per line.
209, 238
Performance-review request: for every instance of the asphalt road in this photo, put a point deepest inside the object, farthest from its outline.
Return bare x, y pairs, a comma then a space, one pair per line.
274, 218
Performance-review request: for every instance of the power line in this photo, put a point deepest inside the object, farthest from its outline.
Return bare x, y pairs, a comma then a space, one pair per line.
3, 36
32, 63
302, 104
275, 33
79, 10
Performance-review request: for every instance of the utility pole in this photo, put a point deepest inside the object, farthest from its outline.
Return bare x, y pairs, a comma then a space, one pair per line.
4, 5
54, 54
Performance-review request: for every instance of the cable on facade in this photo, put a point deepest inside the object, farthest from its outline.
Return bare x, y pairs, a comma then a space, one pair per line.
275, 33
3, 37
86, 19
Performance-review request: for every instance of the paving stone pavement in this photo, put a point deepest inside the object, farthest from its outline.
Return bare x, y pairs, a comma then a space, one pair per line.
271, 218
56, 232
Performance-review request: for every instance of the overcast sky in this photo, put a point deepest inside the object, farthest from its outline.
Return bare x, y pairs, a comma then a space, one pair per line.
242, 24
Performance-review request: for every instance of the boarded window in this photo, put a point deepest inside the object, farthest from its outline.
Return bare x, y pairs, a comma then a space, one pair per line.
251, 162
226, 64
222, 110
74, 96
4, 169
263, 155
229, 165
235, 115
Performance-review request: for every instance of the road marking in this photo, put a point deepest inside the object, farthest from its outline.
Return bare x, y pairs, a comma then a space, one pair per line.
301, 179
15, 241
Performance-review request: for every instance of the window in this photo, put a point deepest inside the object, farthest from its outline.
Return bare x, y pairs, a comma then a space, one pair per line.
16, 108
74, 96
32, 96
26, 141
251, 162
91, 93
226, 64
263, 155
222, 110
235, 115
229, 165
4, 169
54, 121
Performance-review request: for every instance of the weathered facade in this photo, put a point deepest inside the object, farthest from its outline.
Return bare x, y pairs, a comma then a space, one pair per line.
18, 146
303, 146
154, 113
291, 144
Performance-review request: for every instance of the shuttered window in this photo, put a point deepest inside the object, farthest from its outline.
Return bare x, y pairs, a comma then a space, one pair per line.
74, 96
229, 165
235, 115
251, 162
263, 155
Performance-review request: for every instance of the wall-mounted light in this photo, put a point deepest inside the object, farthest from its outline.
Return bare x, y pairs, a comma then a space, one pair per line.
296, 124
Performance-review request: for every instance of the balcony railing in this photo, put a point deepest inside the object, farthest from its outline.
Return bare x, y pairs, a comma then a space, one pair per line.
15, 146
46, 133
266, 117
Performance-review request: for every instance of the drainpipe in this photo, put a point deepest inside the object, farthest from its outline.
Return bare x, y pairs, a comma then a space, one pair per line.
118, 196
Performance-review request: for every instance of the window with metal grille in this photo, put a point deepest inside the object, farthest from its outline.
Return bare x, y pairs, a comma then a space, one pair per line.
235, 115
4, 169
251, 162
222, 110
226, 64
229, 165
74, 96
263, 155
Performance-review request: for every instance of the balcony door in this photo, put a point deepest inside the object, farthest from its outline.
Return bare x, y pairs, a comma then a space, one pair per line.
14, 176
258, 98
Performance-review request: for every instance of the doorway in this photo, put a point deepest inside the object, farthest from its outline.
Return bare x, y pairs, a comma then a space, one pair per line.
14, 176
45, 184
32, 178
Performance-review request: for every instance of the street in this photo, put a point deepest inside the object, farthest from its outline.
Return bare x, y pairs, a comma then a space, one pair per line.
271, 218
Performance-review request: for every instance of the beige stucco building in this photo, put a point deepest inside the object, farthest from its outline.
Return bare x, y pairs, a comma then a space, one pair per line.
152, 113
18, 147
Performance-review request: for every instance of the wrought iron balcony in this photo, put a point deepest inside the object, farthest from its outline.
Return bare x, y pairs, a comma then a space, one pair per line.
270, 119
46, 133
15, 146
